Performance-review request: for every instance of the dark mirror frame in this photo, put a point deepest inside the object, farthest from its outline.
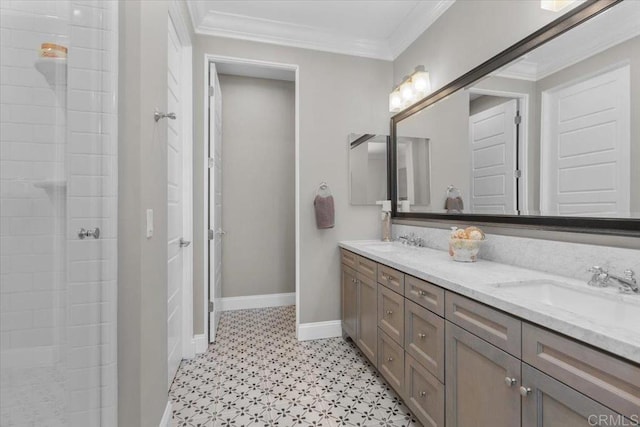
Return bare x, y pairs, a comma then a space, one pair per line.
571, 19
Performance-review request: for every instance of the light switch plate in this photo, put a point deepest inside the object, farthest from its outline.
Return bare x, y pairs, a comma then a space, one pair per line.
149, 223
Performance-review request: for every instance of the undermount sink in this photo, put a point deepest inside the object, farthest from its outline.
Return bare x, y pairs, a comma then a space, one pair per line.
596, 304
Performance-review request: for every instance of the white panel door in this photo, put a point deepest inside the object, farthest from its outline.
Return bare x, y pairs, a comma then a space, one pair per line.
585, 153
174, 206
215, 200
493, 138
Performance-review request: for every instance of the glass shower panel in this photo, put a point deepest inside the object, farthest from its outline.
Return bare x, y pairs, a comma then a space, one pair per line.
58, 176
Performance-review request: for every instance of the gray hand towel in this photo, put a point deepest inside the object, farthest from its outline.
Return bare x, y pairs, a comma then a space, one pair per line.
454, 205
325, 214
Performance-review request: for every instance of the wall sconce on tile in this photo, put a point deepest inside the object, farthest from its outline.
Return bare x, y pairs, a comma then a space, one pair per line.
412, 89
555, 5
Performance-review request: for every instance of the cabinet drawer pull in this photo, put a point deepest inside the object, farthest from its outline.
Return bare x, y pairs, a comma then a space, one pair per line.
510, 381
390, 359
423, 393
422, 293
389, 312
422, 336
525, 391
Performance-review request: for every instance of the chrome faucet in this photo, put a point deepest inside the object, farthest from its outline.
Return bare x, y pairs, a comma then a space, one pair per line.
411, 240
601, 279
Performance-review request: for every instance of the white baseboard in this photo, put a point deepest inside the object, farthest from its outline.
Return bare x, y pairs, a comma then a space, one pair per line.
200, 344
257, 301
319, 330
166, 417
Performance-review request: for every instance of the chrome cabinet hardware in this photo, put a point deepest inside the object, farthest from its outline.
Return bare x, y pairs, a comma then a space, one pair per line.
510, 381
389, 312
423, 393
158, 115
184, 243
422, 293
90, 232
390, 359
525, 391
422, 336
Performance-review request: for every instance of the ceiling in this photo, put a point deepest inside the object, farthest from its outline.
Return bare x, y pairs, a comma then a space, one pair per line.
379, 29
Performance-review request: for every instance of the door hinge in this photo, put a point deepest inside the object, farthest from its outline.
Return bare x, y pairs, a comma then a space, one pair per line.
210, 306
211, 91
517, 119
517, 173
210, 162
210, 234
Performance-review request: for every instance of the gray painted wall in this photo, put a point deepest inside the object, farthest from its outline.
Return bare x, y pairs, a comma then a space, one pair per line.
142, 177
469, 33
338, 95
258, 186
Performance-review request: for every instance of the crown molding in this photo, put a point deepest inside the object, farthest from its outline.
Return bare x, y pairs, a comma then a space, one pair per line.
228, 25
416, 23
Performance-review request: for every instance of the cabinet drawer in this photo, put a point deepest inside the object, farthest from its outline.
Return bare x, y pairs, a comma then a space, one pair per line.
367, 267
391, 361
499, 329
424, 293
602, 377
392, 279
391, 313
423, 393
424, 338
349, 258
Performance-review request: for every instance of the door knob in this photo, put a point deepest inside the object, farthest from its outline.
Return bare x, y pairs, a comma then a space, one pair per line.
220, 232
184, 243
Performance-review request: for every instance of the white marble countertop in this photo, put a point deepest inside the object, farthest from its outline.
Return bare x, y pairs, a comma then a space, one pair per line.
477, 281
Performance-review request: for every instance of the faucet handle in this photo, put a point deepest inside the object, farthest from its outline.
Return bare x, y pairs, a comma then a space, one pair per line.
629, 274
596, 270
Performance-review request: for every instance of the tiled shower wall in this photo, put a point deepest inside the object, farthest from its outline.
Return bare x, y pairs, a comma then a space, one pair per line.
58, 161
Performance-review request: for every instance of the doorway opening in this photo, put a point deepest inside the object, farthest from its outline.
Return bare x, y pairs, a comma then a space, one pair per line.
251, 186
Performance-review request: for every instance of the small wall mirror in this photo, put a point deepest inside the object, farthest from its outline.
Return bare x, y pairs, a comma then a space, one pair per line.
367, 168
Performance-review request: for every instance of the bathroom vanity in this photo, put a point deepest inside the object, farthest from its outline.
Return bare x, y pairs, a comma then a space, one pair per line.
491, 344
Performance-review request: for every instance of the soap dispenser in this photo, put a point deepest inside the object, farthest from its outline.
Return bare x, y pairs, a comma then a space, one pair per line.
386, 219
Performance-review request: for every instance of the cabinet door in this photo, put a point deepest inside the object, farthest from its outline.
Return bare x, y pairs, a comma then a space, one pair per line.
349, 302
477, 392
391, 313
424, 337
549, 403
391, 362
424, 394
367, 324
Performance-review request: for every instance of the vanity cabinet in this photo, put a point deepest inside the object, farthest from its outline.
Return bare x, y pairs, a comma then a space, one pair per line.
459, 362
359, 301
482, 382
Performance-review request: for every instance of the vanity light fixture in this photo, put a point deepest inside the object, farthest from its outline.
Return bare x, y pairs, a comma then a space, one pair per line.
555, 5
412, 89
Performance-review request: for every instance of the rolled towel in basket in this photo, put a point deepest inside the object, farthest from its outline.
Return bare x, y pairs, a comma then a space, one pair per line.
325, 214
454, 204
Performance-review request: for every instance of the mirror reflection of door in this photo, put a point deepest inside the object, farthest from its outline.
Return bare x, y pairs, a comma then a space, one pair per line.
586, 146
493, 140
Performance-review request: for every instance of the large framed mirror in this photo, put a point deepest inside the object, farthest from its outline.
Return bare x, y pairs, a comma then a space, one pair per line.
545, 134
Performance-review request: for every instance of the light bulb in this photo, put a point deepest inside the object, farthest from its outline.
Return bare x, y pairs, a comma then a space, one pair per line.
421, 83
395, 101
406, 90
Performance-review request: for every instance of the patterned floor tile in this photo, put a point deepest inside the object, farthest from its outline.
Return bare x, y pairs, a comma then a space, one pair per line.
258, 374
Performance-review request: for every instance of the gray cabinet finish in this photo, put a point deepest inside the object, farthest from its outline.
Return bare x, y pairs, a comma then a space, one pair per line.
553, 404
600, 376
424, 337
349, 259
424, 293
392, 279
477, 394
423, 394
391, 313
349, 302
498, 328
368, 268
391, 361
367, 335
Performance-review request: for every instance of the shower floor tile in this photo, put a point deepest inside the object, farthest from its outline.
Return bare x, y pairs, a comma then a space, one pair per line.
258, 374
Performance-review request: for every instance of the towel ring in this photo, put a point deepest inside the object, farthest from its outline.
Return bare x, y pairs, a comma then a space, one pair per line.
323, 190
